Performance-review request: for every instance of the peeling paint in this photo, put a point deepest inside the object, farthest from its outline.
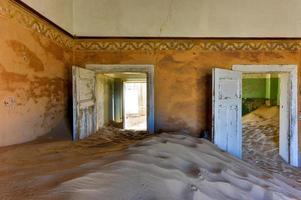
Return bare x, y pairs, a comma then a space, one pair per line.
29, 57
34, 84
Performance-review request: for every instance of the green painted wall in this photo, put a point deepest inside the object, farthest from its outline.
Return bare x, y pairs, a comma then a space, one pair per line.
260, 88
255, 92
254, 88
275, 90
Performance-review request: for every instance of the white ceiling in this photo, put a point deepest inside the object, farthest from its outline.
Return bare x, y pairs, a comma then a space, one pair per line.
174, 18
58, 11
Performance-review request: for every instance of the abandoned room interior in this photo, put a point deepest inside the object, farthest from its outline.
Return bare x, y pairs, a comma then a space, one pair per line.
161, 99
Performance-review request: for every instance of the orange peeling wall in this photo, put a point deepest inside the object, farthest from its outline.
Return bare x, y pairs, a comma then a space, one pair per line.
35, 79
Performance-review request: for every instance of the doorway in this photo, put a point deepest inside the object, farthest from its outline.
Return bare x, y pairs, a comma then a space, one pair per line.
260, 119
227, 109
135, 110
143, 74
97, 98
128, 99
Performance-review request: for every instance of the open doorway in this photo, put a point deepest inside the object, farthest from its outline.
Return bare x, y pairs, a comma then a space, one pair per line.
98, 98
227, 109
135, 110
260, 118
128, 98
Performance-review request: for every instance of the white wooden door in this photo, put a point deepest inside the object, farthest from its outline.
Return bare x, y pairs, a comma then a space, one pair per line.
84, 110
226, 110
284, 119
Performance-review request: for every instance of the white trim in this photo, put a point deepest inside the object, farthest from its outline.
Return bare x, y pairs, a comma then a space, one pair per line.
293, 71
143, 68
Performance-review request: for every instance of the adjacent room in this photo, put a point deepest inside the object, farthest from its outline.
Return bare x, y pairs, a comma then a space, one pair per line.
140, 100
135, 105
260, 110
124, 95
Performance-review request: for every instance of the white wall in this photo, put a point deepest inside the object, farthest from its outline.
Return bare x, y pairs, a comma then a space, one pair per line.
188, 18
175, 18
58, 11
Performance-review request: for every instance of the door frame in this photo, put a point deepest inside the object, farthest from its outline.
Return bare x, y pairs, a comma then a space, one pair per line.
141, 68
293, 93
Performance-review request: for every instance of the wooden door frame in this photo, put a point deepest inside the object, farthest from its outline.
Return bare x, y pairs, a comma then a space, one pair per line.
143, 68
293, 72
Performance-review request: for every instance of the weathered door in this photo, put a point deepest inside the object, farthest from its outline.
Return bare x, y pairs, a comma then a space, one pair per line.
226, 110
84, 111
284, 120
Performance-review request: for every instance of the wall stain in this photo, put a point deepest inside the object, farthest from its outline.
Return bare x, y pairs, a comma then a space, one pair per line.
50, 47
52, 91
167, 60
273, 54
55, 91
9, 79
28, 56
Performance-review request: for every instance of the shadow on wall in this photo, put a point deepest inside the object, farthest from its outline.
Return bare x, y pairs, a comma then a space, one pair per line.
69, 113
206, 132
63, 131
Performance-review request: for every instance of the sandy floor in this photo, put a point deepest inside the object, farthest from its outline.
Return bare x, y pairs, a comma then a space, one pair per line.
261, 142
133, 165
28, 170
136, 122
175, 167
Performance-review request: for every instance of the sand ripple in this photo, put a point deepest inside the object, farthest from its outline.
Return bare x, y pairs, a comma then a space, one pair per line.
176, 167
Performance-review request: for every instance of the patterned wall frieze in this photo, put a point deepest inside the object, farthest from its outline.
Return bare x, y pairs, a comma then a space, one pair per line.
132, 45
151, 45
251, 45
12, 10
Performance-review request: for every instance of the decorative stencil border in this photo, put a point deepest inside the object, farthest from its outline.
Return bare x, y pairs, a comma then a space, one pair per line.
17, 13
187, 44
12, 10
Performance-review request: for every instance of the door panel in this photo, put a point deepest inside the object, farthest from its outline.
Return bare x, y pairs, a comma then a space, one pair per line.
232, 129
220, 126
84, 115
226, 109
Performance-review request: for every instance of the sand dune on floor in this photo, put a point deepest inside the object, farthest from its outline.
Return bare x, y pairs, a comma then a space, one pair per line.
174, 166
28, 170
264, 112
261, 143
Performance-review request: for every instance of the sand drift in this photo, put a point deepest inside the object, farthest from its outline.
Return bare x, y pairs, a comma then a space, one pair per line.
175, 166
